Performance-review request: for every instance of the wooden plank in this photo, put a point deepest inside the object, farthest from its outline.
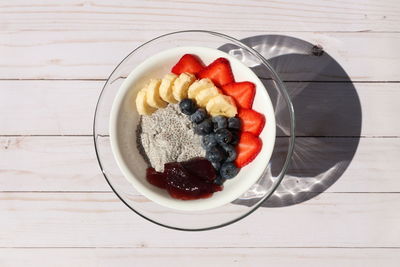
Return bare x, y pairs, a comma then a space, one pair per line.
239, 15
101, 220
322, 109
48, 107
94, 54
50, 164
171, 257
69, 164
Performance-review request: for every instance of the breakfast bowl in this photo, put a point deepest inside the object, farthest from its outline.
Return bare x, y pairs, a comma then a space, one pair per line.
115, 134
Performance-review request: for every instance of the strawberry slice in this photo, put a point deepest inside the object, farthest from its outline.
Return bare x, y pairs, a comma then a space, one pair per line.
242, 92
188, 63
219, 71
248, 148
252, 121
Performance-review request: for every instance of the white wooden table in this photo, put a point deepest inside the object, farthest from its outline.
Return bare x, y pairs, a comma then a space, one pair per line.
55, 206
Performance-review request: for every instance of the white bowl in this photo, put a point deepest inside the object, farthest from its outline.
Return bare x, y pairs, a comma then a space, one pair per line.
124, 119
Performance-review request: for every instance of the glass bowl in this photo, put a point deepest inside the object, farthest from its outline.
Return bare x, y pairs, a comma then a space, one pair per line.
265, 184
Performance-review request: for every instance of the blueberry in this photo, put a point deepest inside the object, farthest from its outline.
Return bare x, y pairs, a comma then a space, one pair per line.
228, 170
230, 152
199, 115
234, 123
215, 154
219, 180
204, 127
235, 137
187, 106
223, 136
216, 165
220, 122
208, 141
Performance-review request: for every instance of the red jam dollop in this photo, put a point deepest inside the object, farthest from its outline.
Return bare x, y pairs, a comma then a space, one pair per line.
188, 180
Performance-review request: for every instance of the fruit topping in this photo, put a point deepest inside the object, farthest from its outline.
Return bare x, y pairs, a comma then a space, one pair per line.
208, 141
200, 167
242, 92
221, 105
199, 115
235, 137
234, 123
216, 165
220, 122
215, 154
230, 152
248, 148
186, 187
155, 178
181, 85
219, 72
152, 94
252, 121
141, 103
193, 179
205, 95
223, 136
187, 106
198, 86
165, 89
219, 180
204, 127
188, 63
228, 170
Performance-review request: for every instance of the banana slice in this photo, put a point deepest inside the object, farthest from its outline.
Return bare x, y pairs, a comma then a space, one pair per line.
205, 95
197, 86
141, 103
181, 85
152, 95
166, 88
221, 105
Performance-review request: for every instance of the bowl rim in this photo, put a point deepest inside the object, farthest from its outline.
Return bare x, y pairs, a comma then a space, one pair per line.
282, 89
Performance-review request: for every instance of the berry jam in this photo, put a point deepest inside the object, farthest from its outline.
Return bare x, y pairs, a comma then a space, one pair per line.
186, 180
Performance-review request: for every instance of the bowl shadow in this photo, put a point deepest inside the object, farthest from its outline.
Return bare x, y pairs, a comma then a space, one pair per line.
328, 116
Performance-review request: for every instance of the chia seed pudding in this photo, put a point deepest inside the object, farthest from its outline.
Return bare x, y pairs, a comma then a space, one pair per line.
167, 136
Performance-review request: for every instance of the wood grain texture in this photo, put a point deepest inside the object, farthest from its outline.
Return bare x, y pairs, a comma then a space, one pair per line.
55, 206
236, 15
69, 164
67, 108
102, 220
94, 54
199, 257
48, 107
50, 164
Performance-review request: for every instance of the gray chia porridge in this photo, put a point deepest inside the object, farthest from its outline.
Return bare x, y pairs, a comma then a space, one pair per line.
167, 136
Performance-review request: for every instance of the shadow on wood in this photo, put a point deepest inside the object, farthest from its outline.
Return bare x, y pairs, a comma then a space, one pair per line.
328, 117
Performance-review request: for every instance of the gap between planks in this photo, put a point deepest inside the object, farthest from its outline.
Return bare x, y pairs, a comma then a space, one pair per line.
297, 136
231, 30
104, 80
223, 247
110, 192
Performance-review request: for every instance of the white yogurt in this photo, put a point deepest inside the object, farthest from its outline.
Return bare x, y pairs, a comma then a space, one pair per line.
124, 118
